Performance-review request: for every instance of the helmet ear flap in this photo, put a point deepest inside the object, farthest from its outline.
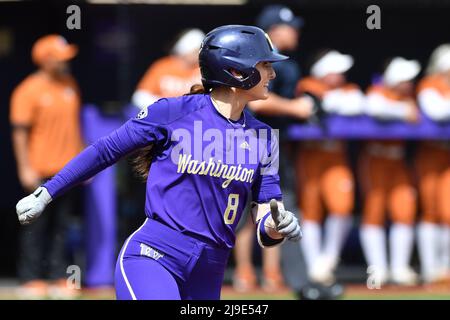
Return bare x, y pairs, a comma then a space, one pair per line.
254, 78
240, 76
244, 80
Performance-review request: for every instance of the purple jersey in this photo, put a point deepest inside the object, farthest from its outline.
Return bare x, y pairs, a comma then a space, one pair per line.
204, 167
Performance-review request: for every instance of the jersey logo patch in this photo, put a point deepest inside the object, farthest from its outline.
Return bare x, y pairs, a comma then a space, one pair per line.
143, 113
150, 252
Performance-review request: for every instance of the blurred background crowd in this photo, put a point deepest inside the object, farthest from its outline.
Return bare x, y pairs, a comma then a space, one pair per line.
375, 208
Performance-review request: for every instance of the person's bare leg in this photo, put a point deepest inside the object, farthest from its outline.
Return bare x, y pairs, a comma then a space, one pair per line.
272, 273
244, 278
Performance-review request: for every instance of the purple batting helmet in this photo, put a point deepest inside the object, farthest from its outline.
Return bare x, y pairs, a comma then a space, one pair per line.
235, 47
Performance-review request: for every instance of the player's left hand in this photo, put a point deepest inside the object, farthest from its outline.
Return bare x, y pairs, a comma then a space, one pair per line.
286, 223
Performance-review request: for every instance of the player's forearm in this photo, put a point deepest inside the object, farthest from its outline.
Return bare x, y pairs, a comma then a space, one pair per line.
98, 156
379, 107
20, 145
82, 167
345, 103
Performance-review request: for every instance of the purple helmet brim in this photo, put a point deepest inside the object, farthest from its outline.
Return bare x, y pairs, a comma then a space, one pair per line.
276, 57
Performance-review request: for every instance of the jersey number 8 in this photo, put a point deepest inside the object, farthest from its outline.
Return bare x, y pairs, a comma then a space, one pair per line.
231, 211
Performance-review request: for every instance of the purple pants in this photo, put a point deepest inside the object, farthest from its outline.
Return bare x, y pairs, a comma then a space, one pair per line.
159, 263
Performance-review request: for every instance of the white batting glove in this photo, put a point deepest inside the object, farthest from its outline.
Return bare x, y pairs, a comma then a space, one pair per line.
286, 223
31, 207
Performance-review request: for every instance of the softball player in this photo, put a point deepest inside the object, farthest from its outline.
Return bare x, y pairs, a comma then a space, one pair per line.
386, 180
433, 170
194, 200
322, 169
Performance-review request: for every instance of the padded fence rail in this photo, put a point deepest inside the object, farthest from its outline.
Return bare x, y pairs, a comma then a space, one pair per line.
365, 127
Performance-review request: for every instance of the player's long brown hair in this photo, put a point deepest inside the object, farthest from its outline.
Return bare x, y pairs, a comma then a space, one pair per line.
142, 159
197, 89
141, 162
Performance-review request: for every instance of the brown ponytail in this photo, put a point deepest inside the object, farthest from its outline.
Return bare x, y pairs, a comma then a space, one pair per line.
141, 162
197, 89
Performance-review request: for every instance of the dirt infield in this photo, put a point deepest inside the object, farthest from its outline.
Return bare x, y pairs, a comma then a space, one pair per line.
435, 291
354, 292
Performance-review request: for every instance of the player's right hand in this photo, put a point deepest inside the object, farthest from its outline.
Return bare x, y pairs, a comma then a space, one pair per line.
31, 207
285, 222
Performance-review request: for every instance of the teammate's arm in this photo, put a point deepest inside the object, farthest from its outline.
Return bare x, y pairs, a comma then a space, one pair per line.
380, 107
343, 102
276, 105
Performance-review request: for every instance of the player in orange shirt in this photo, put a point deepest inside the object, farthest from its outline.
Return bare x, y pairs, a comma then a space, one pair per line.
386, 180
46, 134
173, 75
323, 173
433, 170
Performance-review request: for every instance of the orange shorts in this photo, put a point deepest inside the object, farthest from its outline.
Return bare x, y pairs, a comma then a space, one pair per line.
324, 180
386, 184
433, 172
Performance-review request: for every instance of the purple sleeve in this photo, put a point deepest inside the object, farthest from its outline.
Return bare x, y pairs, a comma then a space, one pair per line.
267, 185
147, 128
266, 188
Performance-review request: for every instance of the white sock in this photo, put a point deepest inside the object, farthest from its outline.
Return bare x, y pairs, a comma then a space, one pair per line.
427, 245
401, 238
311, 242
445, 247
373, 243
336, 231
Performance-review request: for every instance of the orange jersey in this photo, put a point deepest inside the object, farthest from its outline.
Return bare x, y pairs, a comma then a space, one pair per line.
436, 82
318, 88
386, 92
51, 109
169, 77
394, 147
